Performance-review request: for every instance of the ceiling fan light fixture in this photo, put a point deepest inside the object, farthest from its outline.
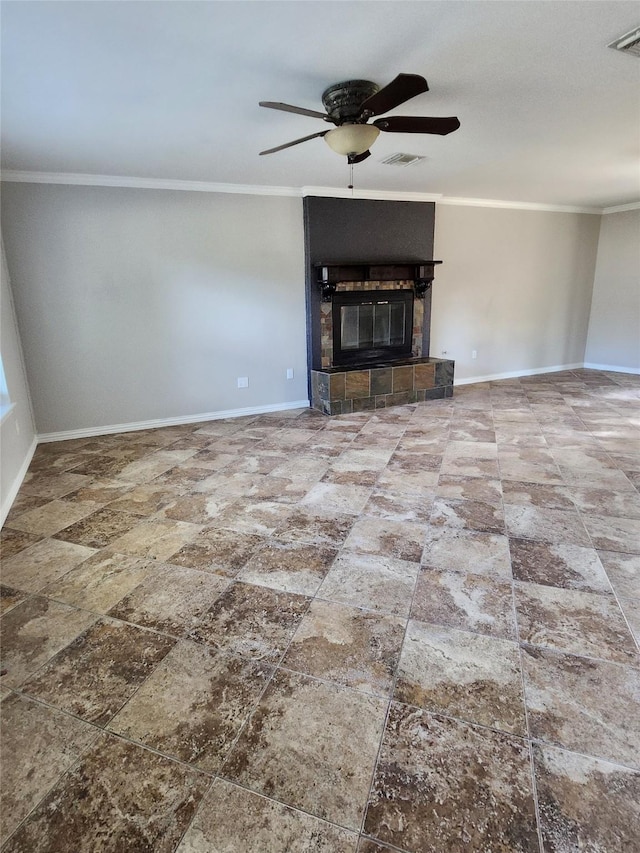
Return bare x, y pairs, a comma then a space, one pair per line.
351, 138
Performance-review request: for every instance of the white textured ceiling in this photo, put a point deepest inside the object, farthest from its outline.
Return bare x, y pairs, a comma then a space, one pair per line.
170, 90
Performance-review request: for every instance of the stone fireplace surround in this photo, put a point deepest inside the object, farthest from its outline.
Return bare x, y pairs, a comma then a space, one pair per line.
326, 316
346, 231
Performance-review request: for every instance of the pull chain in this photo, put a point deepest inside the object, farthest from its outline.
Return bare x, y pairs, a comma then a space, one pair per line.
350, 178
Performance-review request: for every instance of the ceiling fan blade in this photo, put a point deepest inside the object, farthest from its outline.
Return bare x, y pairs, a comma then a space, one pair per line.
403, 88
418, 124
295, 142
287, 108
358, 158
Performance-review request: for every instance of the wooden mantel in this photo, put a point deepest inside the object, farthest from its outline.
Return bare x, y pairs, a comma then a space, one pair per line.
420, 272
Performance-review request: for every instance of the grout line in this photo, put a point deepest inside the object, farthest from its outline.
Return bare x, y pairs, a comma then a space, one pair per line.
297, 809
522, 683
534, 789
393, 688
205, 794
579, 655
543, 744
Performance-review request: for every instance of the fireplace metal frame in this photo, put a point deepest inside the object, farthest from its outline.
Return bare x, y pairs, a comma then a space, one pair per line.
371, 355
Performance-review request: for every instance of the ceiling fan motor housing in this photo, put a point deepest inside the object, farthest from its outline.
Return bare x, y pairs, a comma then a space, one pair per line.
343, 101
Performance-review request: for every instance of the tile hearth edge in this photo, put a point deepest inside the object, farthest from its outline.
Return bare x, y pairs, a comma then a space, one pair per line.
342, 390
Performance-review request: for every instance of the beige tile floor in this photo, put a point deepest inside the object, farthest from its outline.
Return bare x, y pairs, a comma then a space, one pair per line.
406, 630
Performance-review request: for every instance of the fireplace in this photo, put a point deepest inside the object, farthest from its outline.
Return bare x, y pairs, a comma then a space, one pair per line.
372, 326
372, 320
372, 312
369, 270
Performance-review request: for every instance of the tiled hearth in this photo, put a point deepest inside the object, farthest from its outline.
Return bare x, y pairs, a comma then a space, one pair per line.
408, 629
340, 390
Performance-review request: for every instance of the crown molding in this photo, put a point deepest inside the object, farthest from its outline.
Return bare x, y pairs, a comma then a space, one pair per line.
336, 192
518, 205
84, 180
620, 208
382, 195
88, 180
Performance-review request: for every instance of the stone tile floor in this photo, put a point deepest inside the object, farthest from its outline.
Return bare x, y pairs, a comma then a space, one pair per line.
405, 630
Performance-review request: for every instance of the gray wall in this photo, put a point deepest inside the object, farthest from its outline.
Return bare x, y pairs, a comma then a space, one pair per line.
137, 305
614, 327
515, 286
17, 431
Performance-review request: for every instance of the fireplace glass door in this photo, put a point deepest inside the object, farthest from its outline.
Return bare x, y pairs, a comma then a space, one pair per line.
372, 325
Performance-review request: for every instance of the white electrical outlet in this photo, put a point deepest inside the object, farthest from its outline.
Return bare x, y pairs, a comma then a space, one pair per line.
289, 372
243, 381
474, 353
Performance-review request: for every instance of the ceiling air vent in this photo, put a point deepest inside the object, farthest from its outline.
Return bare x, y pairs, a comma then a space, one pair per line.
401, 159
628, 43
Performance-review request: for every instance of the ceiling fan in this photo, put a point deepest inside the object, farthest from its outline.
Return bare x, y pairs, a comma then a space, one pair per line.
350, 105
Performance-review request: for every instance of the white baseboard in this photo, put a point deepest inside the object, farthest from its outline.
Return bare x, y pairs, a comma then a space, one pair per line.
15, 486
110, 429
514, 374
612, 368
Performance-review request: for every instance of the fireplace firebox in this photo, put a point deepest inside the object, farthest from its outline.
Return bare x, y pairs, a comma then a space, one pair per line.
372, 326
